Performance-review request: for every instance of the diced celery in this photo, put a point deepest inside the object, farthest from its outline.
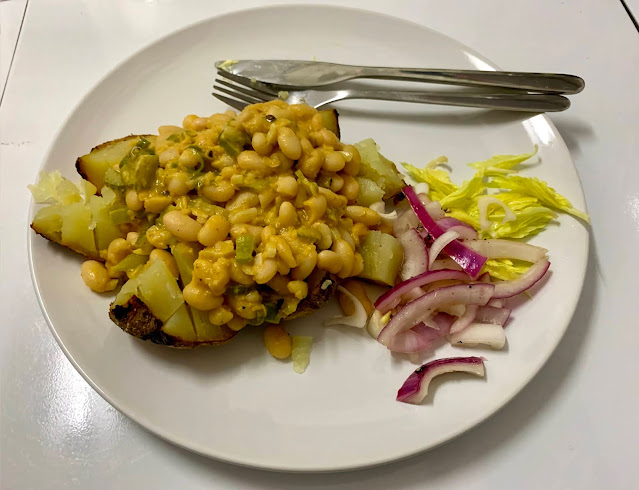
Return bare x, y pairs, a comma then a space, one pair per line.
244, 249
233, 140
309, 234
130, 262
120, 215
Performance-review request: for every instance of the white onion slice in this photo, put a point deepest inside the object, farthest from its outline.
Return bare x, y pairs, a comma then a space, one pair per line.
496, 248
507, 289
492, 314
482, 204
415, 254
405, 221
439, 245
376, 323
479, 333
380, 208
421, 188
464, 320
435, 210
357, 319
415, 388
497, 303
412, 313
445, 263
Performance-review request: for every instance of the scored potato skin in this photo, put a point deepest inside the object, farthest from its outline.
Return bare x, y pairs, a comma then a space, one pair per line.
136, 319
317, 296
56, 239
79, 163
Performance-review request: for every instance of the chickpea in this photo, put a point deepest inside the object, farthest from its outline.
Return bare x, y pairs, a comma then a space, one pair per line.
96, 277
299, 289
243, 215
289, 143
156, 204
237, 323
267, 232
334, 161
133, 201
250, 160
220, 315
200, 297
317, 122
177, 185
200, 123
266, 197
265, 269
286, 185
354, 163
243, 200
118, 250
260, 145
351, 187
305, 266
187, 123
284, 251
330, 261
182, 226
190, 158
327, 237
361, 214
214, 230
277, 341
287, 214
169, 155
311, 164
329, 139
337, 182
316, 207
344, 250
221, 192
239, 276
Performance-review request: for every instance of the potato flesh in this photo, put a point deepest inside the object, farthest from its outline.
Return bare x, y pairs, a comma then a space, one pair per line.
180, 325
383, 256
93, 165
76, 232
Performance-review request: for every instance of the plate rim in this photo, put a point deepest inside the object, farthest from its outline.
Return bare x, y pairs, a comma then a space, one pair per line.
159, 431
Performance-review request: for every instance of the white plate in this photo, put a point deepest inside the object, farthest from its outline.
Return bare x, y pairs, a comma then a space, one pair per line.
236, 403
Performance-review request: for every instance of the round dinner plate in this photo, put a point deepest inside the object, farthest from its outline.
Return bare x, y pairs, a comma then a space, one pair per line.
236, 403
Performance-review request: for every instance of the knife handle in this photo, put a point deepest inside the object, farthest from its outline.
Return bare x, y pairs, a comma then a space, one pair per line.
532, 82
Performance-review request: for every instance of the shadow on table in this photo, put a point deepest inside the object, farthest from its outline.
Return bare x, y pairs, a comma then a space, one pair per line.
473, 448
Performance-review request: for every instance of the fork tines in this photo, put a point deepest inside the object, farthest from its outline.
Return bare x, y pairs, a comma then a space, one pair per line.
242, 91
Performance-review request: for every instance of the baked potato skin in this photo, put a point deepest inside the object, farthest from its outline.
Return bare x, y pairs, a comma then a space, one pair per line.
136, 319
93, 170
317, 297
55, 238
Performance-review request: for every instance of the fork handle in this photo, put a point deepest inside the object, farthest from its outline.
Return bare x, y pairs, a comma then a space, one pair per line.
531, 82
505, 102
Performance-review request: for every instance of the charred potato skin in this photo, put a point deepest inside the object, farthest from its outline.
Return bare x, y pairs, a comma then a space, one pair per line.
317, 297
135, 319
80, 163
56, 239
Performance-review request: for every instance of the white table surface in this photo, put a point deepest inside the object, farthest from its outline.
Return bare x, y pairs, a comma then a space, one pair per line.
574, 426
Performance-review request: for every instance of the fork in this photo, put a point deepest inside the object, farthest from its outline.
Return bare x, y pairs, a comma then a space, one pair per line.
238, 92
